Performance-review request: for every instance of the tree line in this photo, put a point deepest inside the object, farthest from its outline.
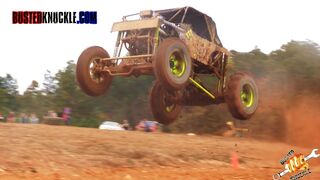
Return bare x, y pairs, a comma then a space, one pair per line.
282, 75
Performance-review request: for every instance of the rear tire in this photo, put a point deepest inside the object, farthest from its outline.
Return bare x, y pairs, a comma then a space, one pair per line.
164, 111
172, 64
92, 83
242, 96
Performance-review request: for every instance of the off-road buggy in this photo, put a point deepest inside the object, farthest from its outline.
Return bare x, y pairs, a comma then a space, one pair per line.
178, 46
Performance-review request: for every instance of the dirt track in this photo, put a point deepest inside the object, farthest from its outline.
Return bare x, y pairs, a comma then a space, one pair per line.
54, 152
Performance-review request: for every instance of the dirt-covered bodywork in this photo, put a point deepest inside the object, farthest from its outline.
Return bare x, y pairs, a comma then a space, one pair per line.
201, 33
177, 46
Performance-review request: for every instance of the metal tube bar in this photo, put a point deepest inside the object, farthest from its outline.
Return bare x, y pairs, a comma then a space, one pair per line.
202, 88
175, 15
148, 51
156, 39
130, 72
184, 15
115, 52
124, 17
127, 57
138, 37
174, 26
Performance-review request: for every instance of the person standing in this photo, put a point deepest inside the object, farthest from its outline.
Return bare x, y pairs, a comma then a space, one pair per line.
11, 118
1, 117
125, 125
24, 118
34, 119
66, 115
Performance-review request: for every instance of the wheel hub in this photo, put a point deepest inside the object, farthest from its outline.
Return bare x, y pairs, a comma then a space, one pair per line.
169, 101
177, 64
94, 69
247, 95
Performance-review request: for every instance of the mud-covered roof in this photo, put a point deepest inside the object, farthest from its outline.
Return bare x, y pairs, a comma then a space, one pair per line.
171, 12
201, 23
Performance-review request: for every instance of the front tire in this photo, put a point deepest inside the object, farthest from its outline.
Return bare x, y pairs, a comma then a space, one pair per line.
164, 109
92, 82
242, 96
172, 64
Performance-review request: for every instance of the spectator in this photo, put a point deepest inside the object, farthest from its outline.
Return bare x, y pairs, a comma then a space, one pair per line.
24, 118
11, 118
147, 126
34, 119
52, 114
1, 117
231, 129
140, 126
66, 115
125, 125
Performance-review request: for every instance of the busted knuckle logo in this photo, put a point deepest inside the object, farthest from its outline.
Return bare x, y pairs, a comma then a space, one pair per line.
296, 162
54, 17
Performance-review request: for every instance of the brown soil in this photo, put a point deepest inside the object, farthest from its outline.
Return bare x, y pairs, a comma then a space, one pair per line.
56, 152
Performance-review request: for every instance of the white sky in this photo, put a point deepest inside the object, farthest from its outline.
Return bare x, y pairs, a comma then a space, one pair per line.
27, 51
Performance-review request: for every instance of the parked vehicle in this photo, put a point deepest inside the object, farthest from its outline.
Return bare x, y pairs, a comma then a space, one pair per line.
110, 125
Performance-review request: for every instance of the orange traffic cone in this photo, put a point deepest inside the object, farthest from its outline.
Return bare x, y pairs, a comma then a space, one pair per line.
234, 160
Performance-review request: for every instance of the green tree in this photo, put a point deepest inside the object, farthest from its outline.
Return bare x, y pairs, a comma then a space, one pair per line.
49, 84
8, 94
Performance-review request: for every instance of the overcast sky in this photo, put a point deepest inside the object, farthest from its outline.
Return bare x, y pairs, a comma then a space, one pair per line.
27, 51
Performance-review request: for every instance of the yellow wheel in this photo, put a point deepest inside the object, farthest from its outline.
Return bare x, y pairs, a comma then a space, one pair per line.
172, 64
242, 96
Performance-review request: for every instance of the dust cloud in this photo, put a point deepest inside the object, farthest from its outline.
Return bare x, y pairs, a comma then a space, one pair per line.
303, 122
